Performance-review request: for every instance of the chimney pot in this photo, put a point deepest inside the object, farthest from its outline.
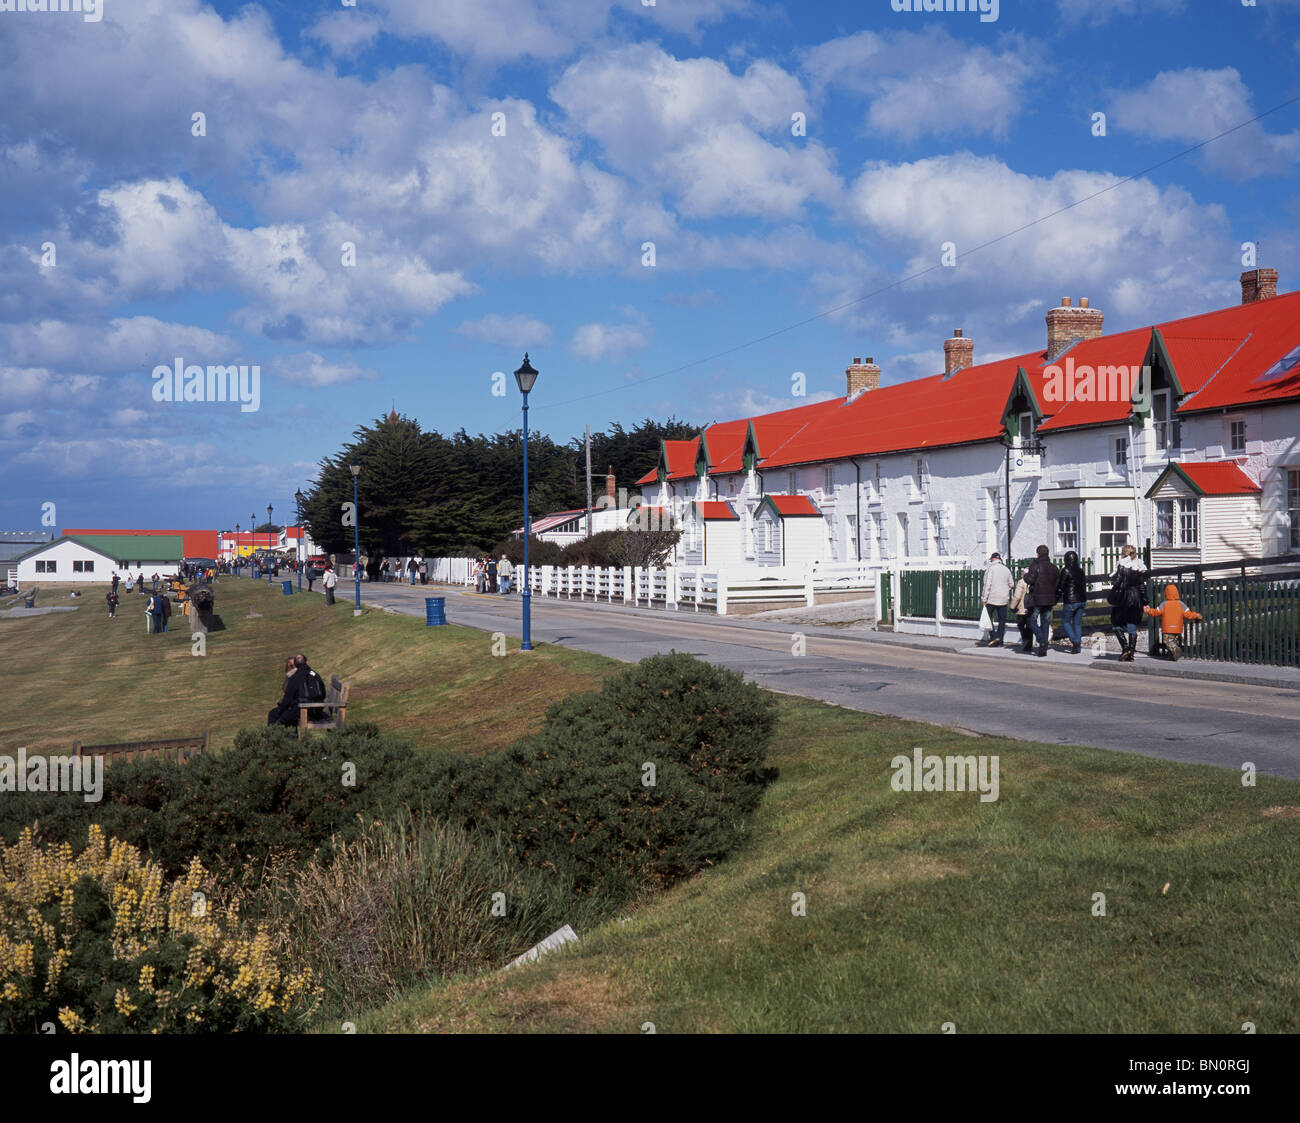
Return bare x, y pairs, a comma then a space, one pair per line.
1258, 284
958, 353
862, 377
1067, 326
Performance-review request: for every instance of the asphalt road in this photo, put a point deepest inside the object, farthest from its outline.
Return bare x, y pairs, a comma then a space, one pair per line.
1062, 699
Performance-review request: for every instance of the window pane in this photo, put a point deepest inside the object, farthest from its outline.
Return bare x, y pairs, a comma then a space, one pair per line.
1165, 522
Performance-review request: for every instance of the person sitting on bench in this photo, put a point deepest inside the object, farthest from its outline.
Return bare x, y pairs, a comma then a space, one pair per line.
304, 685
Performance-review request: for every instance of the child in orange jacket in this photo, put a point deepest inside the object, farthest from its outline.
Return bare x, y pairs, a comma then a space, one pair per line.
1172, 614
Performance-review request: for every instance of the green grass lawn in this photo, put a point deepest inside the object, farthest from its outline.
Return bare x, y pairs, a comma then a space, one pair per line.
922, 908
80, 676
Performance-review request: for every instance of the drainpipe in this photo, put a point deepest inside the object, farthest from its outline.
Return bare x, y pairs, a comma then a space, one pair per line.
857, 518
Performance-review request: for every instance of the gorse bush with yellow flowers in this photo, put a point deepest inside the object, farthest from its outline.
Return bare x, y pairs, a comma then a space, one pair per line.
100, 941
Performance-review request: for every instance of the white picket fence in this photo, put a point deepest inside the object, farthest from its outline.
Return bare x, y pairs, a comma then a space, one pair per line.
691, 588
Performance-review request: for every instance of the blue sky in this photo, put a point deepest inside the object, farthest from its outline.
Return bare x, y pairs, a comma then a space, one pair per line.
622, 123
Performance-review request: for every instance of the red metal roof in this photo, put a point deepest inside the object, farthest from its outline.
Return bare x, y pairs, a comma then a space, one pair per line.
715, 509
1214, 477
1235, 356
792, 505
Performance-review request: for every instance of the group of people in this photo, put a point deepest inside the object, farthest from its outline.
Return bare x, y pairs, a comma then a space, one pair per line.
301, 684
395, 569
493, 576
1041, 586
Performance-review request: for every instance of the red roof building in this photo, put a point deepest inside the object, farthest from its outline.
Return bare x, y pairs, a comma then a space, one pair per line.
196, 543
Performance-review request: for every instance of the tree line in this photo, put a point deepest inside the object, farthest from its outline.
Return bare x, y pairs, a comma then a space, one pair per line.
423, 492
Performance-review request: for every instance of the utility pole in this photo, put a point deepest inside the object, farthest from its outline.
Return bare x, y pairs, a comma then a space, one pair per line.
588, 443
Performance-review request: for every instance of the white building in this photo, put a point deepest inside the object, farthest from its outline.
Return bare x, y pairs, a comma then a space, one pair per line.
94, 559
1079, 436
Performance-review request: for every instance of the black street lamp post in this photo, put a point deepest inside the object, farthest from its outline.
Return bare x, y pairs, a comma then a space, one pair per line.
526, 376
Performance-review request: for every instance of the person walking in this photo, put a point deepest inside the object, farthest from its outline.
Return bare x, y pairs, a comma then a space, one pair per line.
480, 576
166, 610
492, 575
1128, 599
112, 602
1019, 604
505, 571
1043, 579
412, 568
311, 577
383, 571
154, 581
116, 581
329, 580
155, 612
995, 595
1072, 592
139, 582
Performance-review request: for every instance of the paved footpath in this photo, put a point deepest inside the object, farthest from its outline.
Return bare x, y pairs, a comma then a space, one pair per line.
1149, 707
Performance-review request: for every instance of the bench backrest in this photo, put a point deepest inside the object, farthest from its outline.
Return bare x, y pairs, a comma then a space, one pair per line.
177, 749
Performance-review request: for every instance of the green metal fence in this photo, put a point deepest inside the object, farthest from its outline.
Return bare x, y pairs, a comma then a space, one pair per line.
918, 592
1247, 620
961, 593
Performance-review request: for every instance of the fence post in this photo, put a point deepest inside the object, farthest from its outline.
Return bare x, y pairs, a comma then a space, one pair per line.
722, 594
699, 584
629, 594
672, 589
938, 603
809, 593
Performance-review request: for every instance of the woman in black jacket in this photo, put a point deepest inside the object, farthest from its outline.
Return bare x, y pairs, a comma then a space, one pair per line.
1072, 592
1128, 598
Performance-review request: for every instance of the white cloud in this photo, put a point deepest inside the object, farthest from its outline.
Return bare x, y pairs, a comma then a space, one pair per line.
609, 341
311, 369
1193, 105
506, 331
131, 343
976, 89
1098, 11
693, 128
345, 32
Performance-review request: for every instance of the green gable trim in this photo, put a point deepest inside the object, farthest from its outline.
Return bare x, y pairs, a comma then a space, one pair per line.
1010, 416
703, 461
751, 453
1165, 475
1157, 355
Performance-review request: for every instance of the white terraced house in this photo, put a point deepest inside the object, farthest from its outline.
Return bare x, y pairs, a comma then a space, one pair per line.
1201, 456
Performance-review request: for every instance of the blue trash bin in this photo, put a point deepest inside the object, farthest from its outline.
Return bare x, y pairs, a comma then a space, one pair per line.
287, 586
435, 611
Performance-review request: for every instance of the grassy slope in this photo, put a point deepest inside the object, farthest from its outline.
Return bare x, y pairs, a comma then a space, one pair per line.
921, 908
80, 676
932, 908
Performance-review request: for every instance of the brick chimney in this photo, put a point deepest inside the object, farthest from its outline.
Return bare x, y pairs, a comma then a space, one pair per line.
610, 494
862, 377
958, 353
1258, 284
1067, 326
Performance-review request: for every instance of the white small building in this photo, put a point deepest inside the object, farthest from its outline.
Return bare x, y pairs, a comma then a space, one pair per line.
1205, 511
711, 535
94, 559
788, 530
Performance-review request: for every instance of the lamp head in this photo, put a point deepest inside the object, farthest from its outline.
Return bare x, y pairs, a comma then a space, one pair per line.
355, 469
526, 375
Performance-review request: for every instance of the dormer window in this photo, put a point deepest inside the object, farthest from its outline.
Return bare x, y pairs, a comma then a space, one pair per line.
1168, 427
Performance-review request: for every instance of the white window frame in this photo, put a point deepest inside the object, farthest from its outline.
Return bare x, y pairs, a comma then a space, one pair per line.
904, 534
1169, 428
1188, 513
1065, 534
1103, 533
1236, 425
828, 481
854, 552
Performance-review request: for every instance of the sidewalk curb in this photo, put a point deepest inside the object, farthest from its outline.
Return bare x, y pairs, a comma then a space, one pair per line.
1210, 674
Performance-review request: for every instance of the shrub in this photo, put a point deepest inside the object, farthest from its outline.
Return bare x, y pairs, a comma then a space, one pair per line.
571, 799
99, 942
271, 793
540, 552
602, 549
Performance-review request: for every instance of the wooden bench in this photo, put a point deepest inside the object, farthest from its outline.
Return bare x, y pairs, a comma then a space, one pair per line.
335, 708
177, 749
